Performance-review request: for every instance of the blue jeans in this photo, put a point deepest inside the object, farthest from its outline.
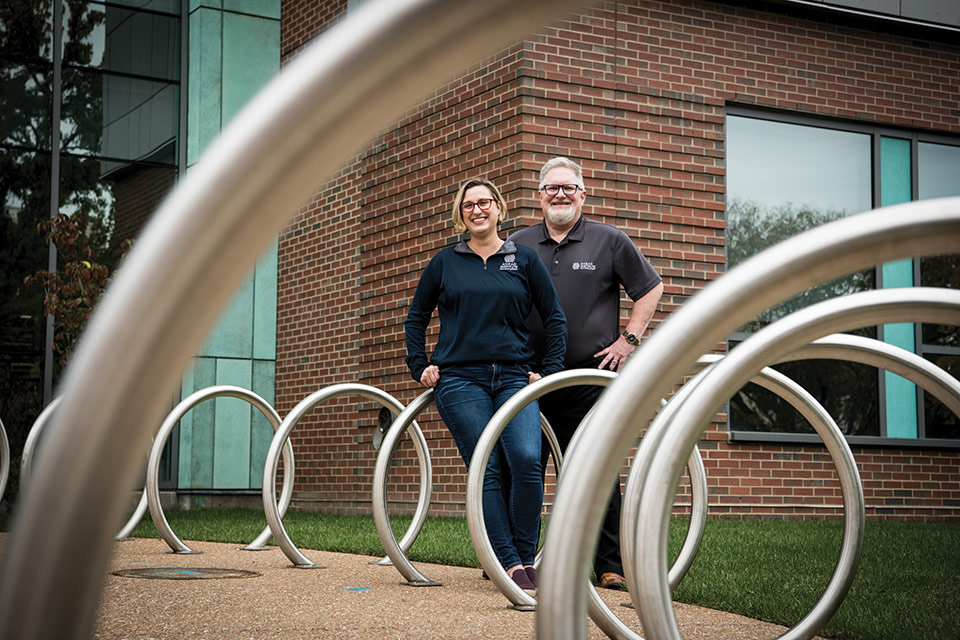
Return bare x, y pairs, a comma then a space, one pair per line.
467, 397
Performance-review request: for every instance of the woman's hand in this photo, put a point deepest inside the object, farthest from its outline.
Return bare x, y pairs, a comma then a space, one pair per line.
533, 377
430, 376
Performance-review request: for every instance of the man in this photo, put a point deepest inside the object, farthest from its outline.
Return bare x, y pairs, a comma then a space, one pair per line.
589, 261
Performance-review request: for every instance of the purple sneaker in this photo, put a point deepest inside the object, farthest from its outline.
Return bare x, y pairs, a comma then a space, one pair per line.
532, 575
520, 577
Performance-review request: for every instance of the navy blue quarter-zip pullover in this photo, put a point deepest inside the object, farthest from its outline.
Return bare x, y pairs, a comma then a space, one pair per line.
483, 308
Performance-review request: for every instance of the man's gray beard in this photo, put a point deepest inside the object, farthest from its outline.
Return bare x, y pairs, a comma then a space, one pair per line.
561, 218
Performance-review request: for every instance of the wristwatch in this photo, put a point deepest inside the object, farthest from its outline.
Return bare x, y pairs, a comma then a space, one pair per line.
631, 338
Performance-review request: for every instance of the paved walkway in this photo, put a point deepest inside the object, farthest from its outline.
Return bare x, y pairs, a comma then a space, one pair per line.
349, 599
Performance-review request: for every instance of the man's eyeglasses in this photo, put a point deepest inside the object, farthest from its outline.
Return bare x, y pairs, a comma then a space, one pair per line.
483, 204
553, 189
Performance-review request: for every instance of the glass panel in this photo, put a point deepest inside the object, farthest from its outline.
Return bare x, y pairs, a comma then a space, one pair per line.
839, 386
786, 178
118, 117
121, 40
26, 103
783, 179
25, 193
941, 271
163, 6
940, 421
939, 166
26, 30
115, 204
939, 176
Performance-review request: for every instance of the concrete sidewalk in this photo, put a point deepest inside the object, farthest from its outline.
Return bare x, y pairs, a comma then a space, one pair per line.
349, 599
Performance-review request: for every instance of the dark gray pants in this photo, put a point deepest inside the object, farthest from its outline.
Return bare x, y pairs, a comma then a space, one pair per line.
564, 410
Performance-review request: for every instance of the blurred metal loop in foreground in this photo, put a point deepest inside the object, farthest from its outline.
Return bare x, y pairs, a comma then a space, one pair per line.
304, 125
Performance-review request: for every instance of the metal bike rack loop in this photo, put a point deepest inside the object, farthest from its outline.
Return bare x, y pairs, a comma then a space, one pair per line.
856, 242
869, 351
156, 451
394, 550
315, 115
30, 444
597, 608
4, 459
906, 364
282, 438
727, 375
808, 407
397, 552
26, 464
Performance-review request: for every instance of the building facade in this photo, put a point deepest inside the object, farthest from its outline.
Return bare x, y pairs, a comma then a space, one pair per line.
707, 130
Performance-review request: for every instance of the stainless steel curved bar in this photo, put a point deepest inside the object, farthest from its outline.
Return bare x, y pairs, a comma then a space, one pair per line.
397, 552
4, 459
810, 409
26, 465
598, 610
33, 439
698, 508
282, 439
135, 517
914, 368
171, 421
349, 84
920, 228
862, 309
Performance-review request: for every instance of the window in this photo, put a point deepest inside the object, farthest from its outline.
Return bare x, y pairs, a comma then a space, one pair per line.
788, 173
110, 73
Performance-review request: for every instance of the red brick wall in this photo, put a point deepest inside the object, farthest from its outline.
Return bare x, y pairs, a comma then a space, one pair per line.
636, 92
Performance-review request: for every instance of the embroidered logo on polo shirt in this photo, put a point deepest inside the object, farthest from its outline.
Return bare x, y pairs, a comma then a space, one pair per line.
585, 266
509, 263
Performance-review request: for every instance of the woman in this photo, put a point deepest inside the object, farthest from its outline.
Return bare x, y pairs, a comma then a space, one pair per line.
484, 288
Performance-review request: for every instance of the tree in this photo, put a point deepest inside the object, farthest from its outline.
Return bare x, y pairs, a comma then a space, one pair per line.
71, 292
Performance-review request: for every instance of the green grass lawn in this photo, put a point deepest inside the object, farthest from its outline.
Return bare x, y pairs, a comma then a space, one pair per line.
765, 569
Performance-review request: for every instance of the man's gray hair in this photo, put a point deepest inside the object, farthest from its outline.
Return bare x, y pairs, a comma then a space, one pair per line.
561, 161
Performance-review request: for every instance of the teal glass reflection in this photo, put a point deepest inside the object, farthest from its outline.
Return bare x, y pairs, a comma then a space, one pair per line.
160, 6
122, 40
119, 117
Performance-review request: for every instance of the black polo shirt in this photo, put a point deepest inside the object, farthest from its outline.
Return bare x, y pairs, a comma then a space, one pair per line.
588, 268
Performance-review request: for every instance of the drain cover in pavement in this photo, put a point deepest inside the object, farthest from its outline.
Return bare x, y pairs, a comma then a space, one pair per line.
185, 573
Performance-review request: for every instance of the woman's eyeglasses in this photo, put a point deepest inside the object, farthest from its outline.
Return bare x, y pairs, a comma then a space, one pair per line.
483, 204
553, 189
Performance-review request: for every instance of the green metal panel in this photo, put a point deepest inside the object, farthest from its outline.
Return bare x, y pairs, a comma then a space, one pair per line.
245, 72
261, 432
196, 428
234, 50
205, 80
265, 306
232, 427
262, 8
232, 337
901, 395
210, 4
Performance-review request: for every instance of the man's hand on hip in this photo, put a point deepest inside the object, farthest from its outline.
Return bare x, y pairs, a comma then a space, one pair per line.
615, 355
